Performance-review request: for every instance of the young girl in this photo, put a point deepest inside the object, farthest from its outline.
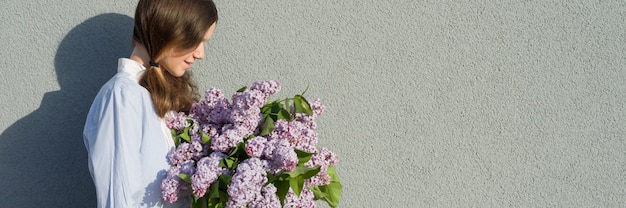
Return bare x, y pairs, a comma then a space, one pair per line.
125, 134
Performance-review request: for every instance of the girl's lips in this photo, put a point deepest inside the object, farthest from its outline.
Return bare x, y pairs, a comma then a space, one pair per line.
188, 63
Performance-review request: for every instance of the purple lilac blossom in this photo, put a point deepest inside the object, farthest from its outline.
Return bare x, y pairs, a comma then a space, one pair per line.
186, 151
268, 88
229, 139
228, 124
299, 135
181, 154
248, 99
256, 146
245, 121
172, 184
177, 121
324, 158
305, 199
246, 183
194, 130
207, 171
188, 167
267, 199
212, 105
198, 149
280, 156
211, 130
307, 120
317, 107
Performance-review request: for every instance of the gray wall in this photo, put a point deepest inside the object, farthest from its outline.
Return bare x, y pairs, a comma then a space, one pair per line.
429, 103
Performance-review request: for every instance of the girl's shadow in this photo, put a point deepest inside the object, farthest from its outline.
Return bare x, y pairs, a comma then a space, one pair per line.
43, 160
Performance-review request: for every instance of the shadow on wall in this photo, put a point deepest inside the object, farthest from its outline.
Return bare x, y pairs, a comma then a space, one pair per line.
44, 161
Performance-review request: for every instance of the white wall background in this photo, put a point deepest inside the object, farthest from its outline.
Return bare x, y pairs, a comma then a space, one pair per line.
429, 103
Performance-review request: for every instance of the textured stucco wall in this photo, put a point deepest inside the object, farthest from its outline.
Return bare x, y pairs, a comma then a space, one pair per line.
429, 103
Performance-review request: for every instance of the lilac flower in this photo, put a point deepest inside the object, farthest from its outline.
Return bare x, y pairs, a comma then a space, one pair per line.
172, 184
213, 104
267, 199
317, 107
213, 95
320, 179
299, 135
305, 200
208, 170
187, 151
181, 154
177, 121
268, 88
324, 158
280, 156
249, 99
188, 167
256, 146
229, 139
211, 130
219, 114
198, 149
228, 124
246, 183
245, 121
307, 120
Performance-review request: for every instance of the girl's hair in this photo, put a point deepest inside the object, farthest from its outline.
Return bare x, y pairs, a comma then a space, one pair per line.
162, 25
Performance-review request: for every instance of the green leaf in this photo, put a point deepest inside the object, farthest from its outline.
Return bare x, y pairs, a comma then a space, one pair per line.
176, 141
301, 105
224, 181
283, 114
282, 188
185, 135
318, 194
200, 203
332, 191
213, 203
287, 103
267, 108
214, 190
228, 162
206, 139
332, 172
242, 89
185, 177
296, 185
238, 153
217, 195
305, 172
267, 127
270, 178
303, 156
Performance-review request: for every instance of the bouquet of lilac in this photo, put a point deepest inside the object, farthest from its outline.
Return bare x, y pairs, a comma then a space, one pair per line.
250, 153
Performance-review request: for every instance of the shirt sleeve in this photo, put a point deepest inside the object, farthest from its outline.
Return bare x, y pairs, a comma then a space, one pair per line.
112, 136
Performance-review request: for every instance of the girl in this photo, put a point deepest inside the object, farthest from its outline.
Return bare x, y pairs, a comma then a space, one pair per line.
125, 134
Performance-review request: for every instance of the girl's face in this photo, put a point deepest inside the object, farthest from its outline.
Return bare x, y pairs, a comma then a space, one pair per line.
177, 61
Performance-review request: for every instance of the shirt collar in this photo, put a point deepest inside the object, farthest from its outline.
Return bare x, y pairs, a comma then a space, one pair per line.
131, 67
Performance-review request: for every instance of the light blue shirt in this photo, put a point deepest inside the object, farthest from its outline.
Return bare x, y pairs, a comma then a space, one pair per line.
127, 143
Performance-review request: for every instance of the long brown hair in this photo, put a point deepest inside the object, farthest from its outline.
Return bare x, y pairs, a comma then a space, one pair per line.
162, 25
